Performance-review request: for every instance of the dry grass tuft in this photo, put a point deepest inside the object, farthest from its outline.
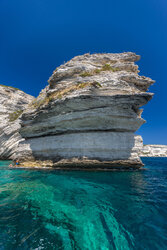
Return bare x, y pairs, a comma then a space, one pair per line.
59, 94
105, 67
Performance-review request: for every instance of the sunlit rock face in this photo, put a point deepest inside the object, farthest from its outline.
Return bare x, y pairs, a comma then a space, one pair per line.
89, 111
153, 151
12, 104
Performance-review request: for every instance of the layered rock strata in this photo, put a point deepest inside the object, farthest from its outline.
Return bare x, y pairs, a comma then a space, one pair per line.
87, 115
12, 104
153, 151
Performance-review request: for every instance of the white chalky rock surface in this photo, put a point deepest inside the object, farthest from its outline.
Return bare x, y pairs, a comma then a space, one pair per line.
153, 151
11, 100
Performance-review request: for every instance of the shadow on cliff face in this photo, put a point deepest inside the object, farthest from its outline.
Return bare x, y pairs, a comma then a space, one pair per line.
101, 149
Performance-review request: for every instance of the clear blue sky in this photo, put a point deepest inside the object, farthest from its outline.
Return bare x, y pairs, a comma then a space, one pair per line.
36, 36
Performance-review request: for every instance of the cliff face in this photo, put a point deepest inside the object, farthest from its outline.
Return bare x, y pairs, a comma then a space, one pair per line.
88, 112
153, 151
12, 104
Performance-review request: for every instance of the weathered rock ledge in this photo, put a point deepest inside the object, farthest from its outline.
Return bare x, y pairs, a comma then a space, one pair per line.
83, 164
85, 118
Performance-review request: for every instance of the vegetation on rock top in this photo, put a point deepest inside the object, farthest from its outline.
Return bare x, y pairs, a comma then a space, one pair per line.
63, 92
13, 116
9, 87
105, 67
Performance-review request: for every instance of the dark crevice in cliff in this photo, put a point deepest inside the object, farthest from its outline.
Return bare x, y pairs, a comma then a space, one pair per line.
81, 131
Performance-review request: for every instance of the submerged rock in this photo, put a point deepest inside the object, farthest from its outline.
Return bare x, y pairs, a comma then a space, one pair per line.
87, 115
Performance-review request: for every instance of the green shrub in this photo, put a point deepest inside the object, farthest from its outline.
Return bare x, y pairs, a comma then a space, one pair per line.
97, 71
97, 84
105, 67
85, 74
13, 116
82, 85
108, 67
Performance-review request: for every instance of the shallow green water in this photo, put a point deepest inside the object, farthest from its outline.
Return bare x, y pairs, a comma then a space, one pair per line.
84, 210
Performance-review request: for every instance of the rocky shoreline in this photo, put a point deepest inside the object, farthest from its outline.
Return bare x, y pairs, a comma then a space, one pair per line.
85, 118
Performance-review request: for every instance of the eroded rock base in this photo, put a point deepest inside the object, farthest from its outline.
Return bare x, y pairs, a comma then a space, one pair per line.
84, 164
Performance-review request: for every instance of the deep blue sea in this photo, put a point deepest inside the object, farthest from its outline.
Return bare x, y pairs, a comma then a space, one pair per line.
48, 209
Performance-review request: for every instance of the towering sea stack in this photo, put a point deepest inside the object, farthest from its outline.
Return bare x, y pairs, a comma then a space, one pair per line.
12, 104
87, 115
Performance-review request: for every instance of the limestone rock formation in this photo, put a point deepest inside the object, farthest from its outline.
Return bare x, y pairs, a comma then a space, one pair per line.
12, 104
153, 151
88, 114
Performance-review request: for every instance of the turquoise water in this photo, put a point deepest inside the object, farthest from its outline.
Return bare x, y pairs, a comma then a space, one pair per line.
84, 210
